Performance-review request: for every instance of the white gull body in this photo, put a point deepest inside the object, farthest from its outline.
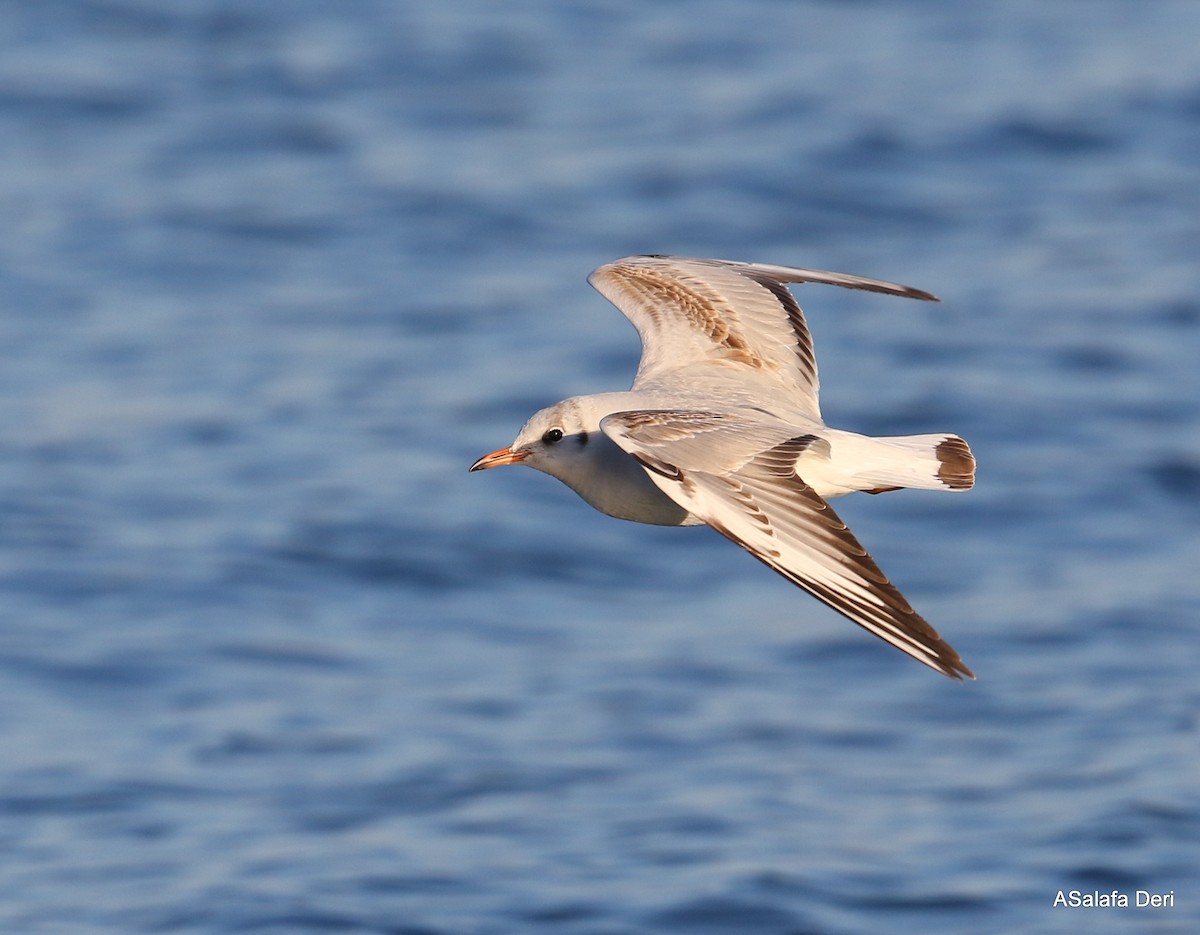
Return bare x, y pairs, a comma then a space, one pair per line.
723, 426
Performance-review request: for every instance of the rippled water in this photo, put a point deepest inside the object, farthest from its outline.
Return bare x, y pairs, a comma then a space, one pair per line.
273, 275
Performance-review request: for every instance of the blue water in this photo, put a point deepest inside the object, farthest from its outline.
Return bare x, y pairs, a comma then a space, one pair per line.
273, 274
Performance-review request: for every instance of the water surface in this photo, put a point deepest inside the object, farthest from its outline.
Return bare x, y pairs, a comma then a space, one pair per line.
272, 276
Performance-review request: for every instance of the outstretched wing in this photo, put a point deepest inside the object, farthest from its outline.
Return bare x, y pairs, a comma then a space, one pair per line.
693, 311
717, 467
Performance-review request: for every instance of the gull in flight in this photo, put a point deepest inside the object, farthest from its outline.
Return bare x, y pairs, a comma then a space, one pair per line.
723, 427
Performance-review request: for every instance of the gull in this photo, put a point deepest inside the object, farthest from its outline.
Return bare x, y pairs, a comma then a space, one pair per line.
723, 427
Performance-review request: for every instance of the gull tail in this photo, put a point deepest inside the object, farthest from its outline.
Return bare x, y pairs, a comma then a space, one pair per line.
926, 462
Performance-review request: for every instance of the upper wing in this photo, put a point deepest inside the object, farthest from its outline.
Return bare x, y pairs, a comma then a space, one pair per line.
690, 311
716, 467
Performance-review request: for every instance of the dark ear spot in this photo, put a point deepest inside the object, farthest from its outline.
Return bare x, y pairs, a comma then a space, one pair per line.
583, 439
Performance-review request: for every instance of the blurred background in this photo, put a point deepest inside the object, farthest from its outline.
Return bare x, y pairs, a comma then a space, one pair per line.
273, 275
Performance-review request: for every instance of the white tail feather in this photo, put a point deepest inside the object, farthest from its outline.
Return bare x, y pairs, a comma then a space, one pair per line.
858, 462
926, 462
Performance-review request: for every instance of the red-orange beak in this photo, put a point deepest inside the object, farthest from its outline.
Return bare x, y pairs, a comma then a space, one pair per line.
499, 458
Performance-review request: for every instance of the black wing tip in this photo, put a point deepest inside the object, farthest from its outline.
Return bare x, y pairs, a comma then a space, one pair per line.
954, 668
890, 288
927, 648
886, 287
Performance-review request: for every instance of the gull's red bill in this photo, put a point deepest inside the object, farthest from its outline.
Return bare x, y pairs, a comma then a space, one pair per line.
499, 459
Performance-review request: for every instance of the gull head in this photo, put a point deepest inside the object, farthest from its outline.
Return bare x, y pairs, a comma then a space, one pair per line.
554, 441
566, 442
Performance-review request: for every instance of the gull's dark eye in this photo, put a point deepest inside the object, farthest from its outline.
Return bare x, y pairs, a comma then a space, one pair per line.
552, 436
